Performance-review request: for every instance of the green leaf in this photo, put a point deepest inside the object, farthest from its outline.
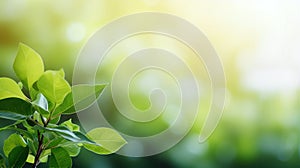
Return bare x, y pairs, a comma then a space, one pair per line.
17, 157
107, 141
64, 132
53, 86
70, 125
55, 120
41, 104
72, 148
28, 65
83, 137
81, 97
12, 116
32, 146
37, 118
54, 142
11, 142
44, 155
2, 161
9, 88
30, 159
16, 105
60, 158
24, 133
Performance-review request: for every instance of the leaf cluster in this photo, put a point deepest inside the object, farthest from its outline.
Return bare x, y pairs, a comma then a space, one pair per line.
32, 109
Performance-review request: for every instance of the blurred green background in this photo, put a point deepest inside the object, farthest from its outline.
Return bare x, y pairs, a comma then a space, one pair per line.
257, 42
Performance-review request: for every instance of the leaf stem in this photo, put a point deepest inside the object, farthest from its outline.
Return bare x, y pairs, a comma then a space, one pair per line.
40, 140
39, 151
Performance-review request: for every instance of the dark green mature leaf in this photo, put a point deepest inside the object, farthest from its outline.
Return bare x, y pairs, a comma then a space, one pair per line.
2, 161
81, 97
12, 116
83, 137
11, 142
9, 88
16, 105
60, 158
54, 142
72, 148
107, 141
64, 132
28, 65
55, 120
17, 157
32, 146
53, 86
22, 132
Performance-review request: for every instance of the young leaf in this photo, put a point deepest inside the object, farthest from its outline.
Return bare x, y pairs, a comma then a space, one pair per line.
107, 141
30, 159
17, 157
28, 65
53, 86
81, 97
11, 142
60, 158
70, 125
9, 88
41, 104
44, 155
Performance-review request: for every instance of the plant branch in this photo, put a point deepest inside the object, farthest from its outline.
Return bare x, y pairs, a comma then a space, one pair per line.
39, 151
40, 140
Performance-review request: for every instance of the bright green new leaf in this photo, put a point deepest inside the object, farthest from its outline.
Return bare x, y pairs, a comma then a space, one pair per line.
81, 97
9, 88
28, 65
30, 159
44, 155
53, 86
11, 142
107, 141
17, 157
60, 158
70, 125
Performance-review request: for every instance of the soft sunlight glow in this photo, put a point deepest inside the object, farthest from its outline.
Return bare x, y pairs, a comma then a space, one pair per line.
76, 32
